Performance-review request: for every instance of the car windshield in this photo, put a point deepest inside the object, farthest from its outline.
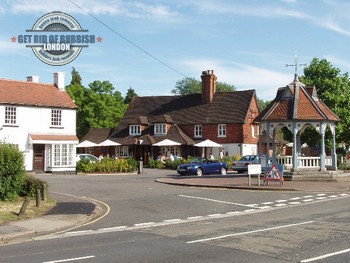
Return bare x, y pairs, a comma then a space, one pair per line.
198, 160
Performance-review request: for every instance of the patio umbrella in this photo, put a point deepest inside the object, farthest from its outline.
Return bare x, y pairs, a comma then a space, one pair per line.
166, 142
208, 143
87, 143
108, 143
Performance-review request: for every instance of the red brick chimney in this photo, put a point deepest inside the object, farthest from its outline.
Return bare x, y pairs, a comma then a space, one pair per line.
208, 85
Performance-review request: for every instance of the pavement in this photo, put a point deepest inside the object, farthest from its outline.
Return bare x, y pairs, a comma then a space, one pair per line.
72, 212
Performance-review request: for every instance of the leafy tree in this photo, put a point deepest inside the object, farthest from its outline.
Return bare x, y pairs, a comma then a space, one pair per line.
129, 95
263, 104
333, 88
99, 106
76, 79
189, 85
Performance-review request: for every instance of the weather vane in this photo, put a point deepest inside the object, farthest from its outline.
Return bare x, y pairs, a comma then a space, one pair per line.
295, 65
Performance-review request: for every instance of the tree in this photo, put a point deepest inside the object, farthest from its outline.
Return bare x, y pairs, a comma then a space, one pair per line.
333, 88
263, 104
99, 106
129, 95
76, 79
189, 85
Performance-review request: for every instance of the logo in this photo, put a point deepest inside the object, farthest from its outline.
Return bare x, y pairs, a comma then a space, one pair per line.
56, 39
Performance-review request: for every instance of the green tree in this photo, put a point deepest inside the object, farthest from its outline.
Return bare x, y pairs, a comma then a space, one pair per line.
99, 106
129, 95
263, 104
189, 85
76, 78
333, 88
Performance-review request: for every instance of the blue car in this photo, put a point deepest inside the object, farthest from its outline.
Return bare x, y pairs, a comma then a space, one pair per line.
200, 166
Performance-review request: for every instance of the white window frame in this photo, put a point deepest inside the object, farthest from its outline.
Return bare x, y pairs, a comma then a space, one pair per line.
10, 115
198, 131
135, 130
61, 155
221, 130
56, 118
122, 151
160, 128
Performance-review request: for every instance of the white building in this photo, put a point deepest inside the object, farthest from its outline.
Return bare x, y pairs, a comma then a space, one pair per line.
41, 119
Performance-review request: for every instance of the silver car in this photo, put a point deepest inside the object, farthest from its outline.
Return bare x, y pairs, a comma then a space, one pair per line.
242, 164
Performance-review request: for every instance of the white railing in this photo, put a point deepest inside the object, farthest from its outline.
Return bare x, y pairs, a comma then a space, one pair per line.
304, 162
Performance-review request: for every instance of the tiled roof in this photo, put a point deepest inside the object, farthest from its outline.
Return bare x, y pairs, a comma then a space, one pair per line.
296, 102
227, 107
33, 94
97, 135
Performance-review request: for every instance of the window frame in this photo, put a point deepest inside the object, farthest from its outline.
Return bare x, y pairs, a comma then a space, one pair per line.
198, 131
10, 115
56, 118
222, 130
135, 129
160, 129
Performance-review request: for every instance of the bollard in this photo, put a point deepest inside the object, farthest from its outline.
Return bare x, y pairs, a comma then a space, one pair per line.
38, 197
44, 187
140, 167
24, 206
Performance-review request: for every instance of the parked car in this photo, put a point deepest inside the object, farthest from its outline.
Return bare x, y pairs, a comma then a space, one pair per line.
86, 156
200, 166
242, 164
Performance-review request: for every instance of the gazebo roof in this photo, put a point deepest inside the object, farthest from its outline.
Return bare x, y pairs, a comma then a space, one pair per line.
297, 102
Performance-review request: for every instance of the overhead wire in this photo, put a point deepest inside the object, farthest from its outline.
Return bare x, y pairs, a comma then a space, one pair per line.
128, 40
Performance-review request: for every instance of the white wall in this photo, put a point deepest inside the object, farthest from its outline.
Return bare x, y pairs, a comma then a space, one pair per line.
36, 120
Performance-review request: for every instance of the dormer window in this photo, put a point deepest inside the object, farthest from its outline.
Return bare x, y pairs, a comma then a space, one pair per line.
135, 130
160, 128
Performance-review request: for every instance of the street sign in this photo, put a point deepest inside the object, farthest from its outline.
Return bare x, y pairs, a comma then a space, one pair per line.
254, 169
275, 173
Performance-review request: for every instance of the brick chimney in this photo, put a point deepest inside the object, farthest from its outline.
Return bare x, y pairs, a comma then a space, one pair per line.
208, 85
33, 79
58, 80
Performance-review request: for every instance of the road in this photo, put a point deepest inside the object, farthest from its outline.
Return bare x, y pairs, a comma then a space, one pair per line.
152, 222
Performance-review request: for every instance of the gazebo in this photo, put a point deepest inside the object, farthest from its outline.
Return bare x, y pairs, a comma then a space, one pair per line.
296, 106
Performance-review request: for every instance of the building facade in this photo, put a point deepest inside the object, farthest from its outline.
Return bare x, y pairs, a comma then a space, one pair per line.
41, 119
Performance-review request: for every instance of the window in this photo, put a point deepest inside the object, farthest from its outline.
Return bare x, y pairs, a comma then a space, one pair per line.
253, 131
160, 128
134, 130
62, 155
56, 117
122, 151
198, 131
10, 115
222, 130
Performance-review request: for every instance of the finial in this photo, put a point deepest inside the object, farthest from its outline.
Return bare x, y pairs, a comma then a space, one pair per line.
295, 65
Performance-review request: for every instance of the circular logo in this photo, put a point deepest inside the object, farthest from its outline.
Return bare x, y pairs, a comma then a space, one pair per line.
58, 41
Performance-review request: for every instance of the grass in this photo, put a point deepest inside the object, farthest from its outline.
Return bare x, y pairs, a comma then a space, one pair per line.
9, 210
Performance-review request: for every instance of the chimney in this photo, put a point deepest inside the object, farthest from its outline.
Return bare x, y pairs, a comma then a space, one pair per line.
33, 79
58, 78
208, 86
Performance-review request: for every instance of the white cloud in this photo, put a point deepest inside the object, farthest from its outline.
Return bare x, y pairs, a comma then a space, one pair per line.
243, 77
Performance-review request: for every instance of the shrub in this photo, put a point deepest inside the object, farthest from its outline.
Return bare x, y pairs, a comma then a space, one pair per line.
11, 171
29, 186
107, 165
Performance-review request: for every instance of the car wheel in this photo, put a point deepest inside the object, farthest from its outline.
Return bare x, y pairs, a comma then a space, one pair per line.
223, 171
199, 172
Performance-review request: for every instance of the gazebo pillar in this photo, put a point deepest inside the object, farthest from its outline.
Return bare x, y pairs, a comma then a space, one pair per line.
323, 151
334, 152
295, 151
268, 145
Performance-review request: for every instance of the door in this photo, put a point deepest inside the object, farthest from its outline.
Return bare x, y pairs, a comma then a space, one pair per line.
39, 157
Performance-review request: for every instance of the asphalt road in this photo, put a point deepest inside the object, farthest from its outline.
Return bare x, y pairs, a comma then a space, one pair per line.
152, 222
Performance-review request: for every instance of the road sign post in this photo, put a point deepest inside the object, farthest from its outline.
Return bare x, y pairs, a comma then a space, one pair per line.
254, 169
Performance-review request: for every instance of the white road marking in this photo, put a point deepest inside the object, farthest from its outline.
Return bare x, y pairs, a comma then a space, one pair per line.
280, 201
308, 200
308, 196
321, 194
249, 232
326, 255
294, 203
267, 203
294, 198
216, 201
69, 259
321, 198
144, 224
278, 205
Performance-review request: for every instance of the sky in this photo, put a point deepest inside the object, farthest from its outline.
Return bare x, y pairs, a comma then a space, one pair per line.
149, 45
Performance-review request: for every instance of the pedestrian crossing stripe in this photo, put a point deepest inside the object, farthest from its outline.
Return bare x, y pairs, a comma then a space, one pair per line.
273, 174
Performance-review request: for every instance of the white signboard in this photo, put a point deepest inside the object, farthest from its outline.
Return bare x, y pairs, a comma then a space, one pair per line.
254, 168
